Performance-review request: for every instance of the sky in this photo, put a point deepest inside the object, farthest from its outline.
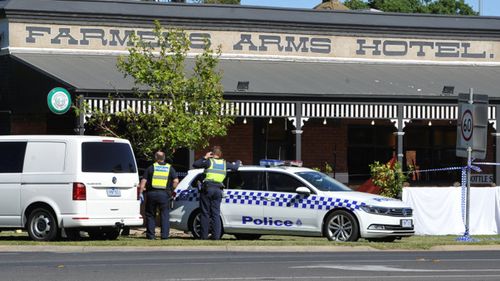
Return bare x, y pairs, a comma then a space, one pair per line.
488, 7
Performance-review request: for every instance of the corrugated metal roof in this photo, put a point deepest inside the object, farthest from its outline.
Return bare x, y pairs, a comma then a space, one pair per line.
249, 14
86, 73
83, 73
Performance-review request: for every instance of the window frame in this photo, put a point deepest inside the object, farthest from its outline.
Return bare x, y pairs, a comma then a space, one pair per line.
298, 179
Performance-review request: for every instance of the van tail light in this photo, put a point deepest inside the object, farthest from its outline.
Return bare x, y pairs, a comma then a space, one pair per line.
79, 191
138, 192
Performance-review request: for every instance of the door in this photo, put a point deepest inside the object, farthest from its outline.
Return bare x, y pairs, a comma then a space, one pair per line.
286, 210
242, 199
11, 167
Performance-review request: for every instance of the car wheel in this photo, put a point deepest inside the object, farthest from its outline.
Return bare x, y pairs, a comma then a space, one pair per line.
341, 226
247, 236
42, 225
195, 226
384, 239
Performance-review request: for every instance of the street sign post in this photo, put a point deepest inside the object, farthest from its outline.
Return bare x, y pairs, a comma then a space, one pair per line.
472, 130
472, 125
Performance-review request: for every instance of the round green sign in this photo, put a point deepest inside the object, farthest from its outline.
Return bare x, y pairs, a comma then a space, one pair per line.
59, 100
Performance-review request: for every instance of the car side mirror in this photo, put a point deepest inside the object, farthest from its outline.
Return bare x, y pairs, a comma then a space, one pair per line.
302, 190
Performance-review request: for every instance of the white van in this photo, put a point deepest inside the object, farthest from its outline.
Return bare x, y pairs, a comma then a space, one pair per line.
71, 183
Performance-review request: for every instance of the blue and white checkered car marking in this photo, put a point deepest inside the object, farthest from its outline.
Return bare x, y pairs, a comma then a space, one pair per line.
278, 199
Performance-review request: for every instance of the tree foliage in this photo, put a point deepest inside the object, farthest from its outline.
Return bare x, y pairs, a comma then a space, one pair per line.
232, 2
356, 4
448, 7
185, 110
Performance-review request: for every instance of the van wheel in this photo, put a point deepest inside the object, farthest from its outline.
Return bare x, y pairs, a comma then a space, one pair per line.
247, 236
42, 225
195, 226
341, 226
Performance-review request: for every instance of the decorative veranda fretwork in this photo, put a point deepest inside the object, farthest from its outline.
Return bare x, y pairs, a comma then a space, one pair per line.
349, 110
235, 108
307, 109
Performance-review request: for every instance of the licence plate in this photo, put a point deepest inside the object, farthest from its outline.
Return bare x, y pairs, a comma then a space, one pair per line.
406, 223
113, 192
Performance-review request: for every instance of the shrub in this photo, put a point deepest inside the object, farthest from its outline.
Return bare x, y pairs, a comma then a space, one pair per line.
389, 177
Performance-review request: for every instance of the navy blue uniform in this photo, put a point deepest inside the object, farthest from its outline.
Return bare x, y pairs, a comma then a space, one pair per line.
158, 198
210, 200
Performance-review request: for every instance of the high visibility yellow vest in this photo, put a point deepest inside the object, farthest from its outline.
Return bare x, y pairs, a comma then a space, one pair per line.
217, 170
160, 175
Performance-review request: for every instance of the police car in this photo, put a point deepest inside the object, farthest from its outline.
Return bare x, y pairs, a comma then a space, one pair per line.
285, 200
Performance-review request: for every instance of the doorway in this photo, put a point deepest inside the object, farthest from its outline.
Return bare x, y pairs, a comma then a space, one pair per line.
273, 139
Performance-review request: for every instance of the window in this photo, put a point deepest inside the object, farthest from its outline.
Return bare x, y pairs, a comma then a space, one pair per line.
244, 180
281, 182
107, 157
45, 157
12, 157
322, 181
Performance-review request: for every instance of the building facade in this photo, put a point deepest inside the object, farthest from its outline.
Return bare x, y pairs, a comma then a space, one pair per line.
340, 88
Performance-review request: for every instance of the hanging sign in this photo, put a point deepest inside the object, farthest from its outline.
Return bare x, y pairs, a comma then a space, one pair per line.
59, 100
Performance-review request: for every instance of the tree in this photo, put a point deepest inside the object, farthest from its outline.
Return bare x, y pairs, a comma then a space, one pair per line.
399, 6
356, 4
448, 7
233, 2
186, 110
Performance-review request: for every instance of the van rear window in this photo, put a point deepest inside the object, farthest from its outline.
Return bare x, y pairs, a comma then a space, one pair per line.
106, 157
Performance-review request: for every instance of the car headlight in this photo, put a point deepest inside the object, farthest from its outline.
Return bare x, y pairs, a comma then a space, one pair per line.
376, 210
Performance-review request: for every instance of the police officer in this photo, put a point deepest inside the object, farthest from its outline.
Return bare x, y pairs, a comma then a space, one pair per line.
158, 182
211, 191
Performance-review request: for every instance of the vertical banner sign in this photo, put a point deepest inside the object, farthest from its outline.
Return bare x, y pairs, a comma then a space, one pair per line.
472, 125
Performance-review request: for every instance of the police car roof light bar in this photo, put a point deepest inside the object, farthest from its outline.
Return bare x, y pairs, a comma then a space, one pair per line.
277, 163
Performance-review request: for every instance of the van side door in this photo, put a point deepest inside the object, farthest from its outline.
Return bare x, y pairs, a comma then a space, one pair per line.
11, 167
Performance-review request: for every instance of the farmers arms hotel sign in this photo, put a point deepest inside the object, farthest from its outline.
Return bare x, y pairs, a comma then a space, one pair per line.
71, 38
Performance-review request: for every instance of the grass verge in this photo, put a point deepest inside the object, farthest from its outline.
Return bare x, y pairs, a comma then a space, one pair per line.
412, 243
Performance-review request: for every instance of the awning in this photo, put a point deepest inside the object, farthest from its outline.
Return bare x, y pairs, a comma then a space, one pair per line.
81, 73
283, 79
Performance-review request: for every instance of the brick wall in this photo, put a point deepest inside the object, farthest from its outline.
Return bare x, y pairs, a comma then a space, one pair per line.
236, 145
29, 124
325, 143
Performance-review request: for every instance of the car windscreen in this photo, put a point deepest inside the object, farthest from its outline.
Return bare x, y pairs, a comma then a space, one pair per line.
107, 157
322, 181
